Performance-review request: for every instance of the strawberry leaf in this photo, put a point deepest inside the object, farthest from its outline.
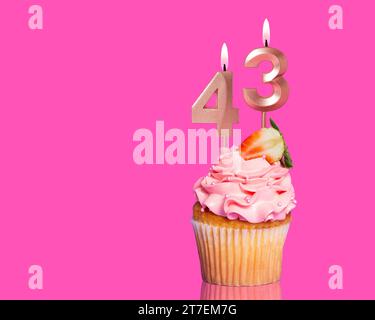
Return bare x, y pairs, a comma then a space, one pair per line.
274, 125
286, 160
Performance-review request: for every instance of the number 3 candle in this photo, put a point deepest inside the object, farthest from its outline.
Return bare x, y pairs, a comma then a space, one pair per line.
224, 115
274, 77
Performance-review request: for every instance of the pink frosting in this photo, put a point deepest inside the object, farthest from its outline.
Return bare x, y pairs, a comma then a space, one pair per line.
251, 190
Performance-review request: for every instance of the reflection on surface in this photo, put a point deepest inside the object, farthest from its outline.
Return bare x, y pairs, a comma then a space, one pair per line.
216, 292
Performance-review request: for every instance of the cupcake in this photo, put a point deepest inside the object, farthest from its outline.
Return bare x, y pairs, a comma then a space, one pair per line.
243, 212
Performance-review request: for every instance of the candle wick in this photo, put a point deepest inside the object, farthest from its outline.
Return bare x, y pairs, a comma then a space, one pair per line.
266, 43
224, 67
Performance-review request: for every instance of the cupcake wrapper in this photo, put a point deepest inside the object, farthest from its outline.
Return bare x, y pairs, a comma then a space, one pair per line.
265, 292
240, 257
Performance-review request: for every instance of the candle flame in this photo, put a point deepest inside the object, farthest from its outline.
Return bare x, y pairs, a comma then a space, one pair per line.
224, 57
266, 32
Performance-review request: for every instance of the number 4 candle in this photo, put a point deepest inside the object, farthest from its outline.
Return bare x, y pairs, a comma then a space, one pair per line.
224, 115
274, 77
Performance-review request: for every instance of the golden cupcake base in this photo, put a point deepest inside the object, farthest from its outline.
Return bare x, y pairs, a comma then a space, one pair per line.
239, 253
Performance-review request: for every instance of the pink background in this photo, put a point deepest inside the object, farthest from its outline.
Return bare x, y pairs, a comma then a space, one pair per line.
73, 201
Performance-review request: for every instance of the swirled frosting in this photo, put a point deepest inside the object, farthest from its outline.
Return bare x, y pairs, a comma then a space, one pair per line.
250, 190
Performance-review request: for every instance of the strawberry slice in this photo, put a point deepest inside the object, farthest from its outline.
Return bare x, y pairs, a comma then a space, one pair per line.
266, 142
